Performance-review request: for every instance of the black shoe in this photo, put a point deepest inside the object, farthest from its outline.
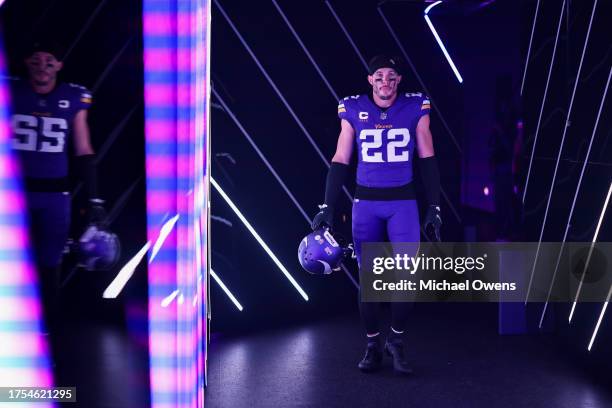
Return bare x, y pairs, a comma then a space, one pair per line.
372, 359
395, 350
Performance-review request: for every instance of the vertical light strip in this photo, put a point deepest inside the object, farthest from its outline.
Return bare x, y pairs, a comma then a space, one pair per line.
175, 61
418, 77
535, 17
24, 359
535, 140
202, 194
440, 43
278, 92
261, 242
205, 194
274, 173
226, 290
346, 33
588, 259
310, 58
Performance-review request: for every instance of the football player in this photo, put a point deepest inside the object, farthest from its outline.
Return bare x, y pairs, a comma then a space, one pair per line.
386, 127
46, 115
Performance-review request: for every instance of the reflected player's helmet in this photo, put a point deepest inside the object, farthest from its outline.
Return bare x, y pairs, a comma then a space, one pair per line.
98, 249
319, 253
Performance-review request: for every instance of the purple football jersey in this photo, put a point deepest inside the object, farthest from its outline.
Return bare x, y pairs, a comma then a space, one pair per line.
42, 124
385, 137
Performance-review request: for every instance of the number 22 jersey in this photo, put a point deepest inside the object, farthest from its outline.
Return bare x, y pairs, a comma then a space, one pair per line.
385, 137
41, 125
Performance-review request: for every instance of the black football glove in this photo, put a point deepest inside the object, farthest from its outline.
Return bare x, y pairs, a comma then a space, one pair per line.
325, 217
433, 222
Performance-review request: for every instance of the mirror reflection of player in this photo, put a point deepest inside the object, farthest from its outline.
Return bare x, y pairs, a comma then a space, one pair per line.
386, 127
46, 113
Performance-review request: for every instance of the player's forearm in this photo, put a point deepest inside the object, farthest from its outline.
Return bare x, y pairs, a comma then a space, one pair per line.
86, 169
84, 150
430, 174
336, 177
82, 139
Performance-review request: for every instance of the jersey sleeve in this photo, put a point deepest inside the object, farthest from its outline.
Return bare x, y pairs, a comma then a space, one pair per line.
425, 106
82, 97
342, 109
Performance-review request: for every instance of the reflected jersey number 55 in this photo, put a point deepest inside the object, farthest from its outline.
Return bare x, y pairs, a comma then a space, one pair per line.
53, 131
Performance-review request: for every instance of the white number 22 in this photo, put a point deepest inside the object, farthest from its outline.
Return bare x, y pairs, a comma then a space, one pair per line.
396, 138
25, 128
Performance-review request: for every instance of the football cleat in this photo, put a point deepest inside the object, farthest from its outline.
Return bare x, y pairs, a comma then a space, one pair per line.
395, 350
372, 360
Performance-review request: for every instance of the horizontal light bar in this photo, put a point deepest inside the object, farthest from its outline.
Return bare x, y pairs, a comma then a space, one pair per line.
259, 239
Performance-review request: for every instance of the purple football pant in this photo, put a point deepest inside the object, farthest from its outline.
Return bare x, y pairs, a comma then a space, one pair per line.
380, 221
49, 217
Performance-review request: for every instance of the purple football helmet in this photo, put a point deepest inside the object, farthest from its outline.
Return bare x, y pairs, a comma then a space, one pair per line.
98, 249
319, 252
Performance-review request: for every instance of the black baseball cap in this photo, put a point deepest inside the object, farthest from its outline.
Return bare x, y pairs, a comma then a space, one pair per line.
50, 46
384, 61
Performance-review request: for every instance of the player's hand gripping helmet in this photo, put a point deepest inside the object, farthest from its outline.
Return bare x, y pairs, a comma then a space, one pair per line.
320, 253
97, 249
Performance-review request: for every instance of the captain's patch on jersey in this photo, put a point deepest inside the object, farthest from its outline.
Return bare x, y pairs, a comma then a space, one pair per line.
341, 108
426, 104
86, 97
